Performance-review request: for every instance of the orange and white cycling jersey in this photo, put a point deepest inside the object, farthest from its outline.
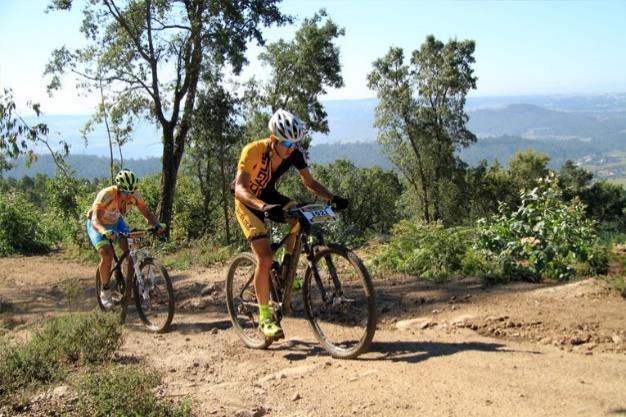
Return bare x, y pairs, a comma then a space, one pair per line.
256, 160
114, 205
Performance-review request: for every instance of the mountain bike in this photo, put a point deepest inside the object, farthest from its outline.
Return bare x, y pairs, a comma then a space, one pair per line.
148, 281
338, 294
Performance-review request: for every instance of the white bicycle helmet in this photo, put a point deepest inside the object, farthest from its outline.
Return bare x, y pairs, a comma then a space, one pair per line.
286, 126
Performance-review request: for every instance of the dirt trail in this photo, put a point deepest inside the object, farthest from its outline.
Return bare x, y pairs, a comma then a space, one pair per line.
449, 350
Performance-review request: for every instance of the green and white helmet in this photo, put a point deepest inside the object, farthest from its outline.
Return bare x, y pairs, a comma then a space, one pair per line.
126, 180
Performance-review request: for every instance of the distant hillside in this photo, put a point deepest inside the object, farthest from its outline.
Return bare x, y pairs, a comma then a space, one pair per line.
533, 122
85, 166
588, 129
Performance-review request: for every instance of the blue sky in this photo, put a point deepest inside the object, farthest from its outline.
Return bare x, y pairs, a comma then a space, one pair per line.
522, 47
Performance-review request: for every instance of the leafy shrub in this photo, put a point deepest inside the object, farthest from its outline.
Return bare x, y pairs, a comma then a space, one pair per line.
543, 238
76, 338
429, 251
372, 192
20, 226
122, 391
200, 252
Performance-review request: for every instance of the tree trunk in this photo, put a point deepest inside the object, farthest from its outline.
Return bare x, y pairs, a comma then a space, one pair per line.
225, 195
171, 161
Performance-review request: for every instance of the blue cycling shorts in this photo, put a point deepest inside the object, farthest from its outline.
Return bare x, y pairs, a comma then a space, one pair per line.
97, 240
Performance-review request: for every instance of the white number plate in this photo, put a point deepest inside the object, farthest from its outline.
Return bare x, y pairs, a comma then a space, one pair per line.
318, 214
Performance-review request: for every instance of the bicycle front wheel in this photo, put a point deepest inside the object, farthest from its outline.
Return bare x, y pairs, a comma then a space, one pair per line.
154, 295
340, 301
241, 301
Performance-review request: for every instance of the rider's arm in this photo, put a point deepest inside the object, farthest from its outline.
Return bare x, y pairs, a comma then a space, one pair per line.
243, 193
313, 186
96, 221
148, 214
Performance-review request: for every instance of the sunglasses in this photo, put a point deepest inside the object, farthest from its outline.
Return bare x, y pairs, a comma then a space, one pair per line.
287, 143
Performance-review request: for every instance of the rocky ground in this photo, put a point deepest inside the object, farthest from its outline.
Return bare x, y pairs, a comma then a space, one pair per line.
454, 349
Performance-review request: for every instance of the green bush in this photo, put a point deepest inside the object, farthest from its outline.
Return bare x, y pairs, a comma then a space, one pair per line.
544, 238
77, 338
429, 251
122, 391
200, 252
21, 228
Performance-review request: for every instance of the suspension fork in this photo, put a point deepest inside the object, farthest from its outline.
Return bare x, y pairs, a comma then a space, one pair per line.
316, 275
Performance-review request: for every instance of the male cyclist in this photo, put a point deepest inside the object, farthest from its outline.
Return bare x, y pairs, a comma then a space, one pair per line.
105, 222
261, 164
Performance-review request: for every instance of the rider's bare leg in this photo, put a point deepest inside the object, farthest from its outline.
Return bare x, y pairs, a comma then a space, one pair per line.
263, 253
106, 258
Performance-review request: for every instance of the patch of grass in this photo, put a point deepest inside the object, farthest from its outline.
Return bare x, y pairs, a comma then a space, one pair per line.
120, 391
73, 339
200, 252
82, 254
617, 283
72, 290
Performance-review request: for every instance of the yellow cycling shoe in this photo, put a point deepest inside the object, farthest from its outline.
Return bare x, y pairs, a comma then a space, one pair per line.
271, 330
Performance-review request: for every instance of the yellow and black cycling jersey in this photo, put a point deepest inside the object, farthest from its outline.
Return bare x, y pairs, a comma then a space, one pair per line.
256, 160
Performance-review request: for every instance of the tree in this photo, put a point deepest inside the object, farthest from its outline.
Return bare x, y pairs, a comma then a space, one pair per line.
19, 138
301, 70
373, 193
527, 167
214, 135
134, 46
421, 117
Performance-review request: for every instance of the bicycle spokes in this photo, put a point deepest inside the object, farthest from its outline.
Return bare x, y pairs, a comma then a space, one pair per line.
241, 300
340, 304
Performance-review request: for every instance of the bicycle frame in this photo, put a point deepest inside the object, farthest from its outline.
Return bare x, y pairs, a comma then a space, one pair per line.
301, 246
131, 253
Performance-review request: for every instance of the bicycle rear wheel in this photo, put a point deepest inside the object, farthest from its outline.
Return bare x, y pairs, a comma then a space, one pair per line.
154, 295
118, 290
241, 301
340, 302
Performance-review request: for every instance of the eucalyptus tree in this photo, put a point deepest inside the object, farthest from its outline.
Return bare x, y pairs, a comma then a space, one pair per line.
214, 137
421, 117
301, 70
152, 53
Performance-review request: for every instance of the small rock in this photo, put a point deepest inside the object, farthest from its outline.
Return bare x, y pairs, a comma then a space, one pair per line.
545, 341
579, 340
259, 412
214, 330
616, 339
60, 391
210, 289
296, 397
419, 323
462, 321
